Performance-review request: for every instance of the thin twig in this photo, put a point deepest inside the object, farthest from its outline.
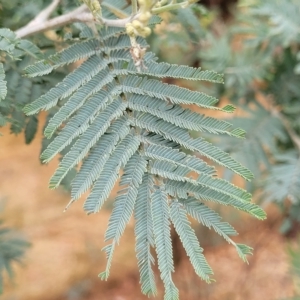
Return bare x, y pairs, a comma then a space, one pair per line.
116, 11
81, 14
134, 7
171, 6
45, 13
77, 15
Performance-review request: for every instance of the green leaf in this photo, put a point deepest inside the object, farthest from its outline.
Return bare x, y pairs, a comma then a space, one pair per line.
93, 165
82, 146
170, 93
144, 235
124, 203
181, 136
110, 173
190, 241
181, 117
182, 189
163, 244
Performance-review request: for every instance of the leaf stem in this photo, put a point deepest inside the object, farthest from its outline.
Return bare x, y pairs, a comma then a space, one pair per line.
81, 14
171, 6
134, 7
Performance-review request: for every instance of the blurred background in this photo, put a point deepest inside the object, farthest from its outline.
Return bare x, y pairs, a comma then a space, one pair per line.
50, 255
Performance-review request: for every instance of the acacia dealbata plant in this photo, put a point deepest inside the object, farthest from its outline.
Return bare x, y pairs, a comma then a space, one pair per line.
112, 117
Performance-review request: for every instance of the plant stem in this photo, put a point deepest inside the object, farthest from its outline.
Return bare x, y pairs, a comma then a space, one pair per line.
171, 6
46, 13
134, 7
118, 12
39, 25
80, 14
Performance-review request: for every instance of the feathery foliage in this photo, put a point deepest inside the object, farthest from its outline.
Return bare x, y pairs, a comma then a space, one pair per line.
261, 77
12, 249
116, 118
112, 117
16, 90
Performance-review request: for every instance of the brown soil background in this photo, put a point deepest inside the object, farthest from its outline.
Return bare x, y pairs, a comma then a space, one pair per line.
65, 257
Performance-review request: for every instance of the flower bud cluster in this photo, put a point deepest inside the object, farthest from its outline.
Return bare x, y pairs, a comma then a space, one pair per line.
139, 27
94, 7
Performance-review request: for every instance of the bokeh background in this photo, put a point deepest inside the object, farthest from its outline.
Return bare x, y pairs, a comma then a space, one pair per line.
262, 79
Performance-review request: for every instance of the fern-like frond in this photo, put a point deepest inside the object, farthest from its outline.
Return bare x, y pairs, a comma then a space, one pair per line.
164, 70
190, 241
144, 235
209, 218
124, 203
113, 120
70, 84
151, 138
109, 175
224, 186
86, 141
78, 51
179, 158
67, 56
75, 102
171, 171
93, 165
74, 128
163, 244
170, 93
183, 189
181, 117
180, 173
109, 250
182, 137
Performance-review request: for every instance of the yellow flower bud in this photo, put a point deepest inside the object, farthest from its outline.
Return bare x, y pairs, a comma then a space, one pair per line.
130, 29
146, 31
144, 17
137, 24
142, 2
